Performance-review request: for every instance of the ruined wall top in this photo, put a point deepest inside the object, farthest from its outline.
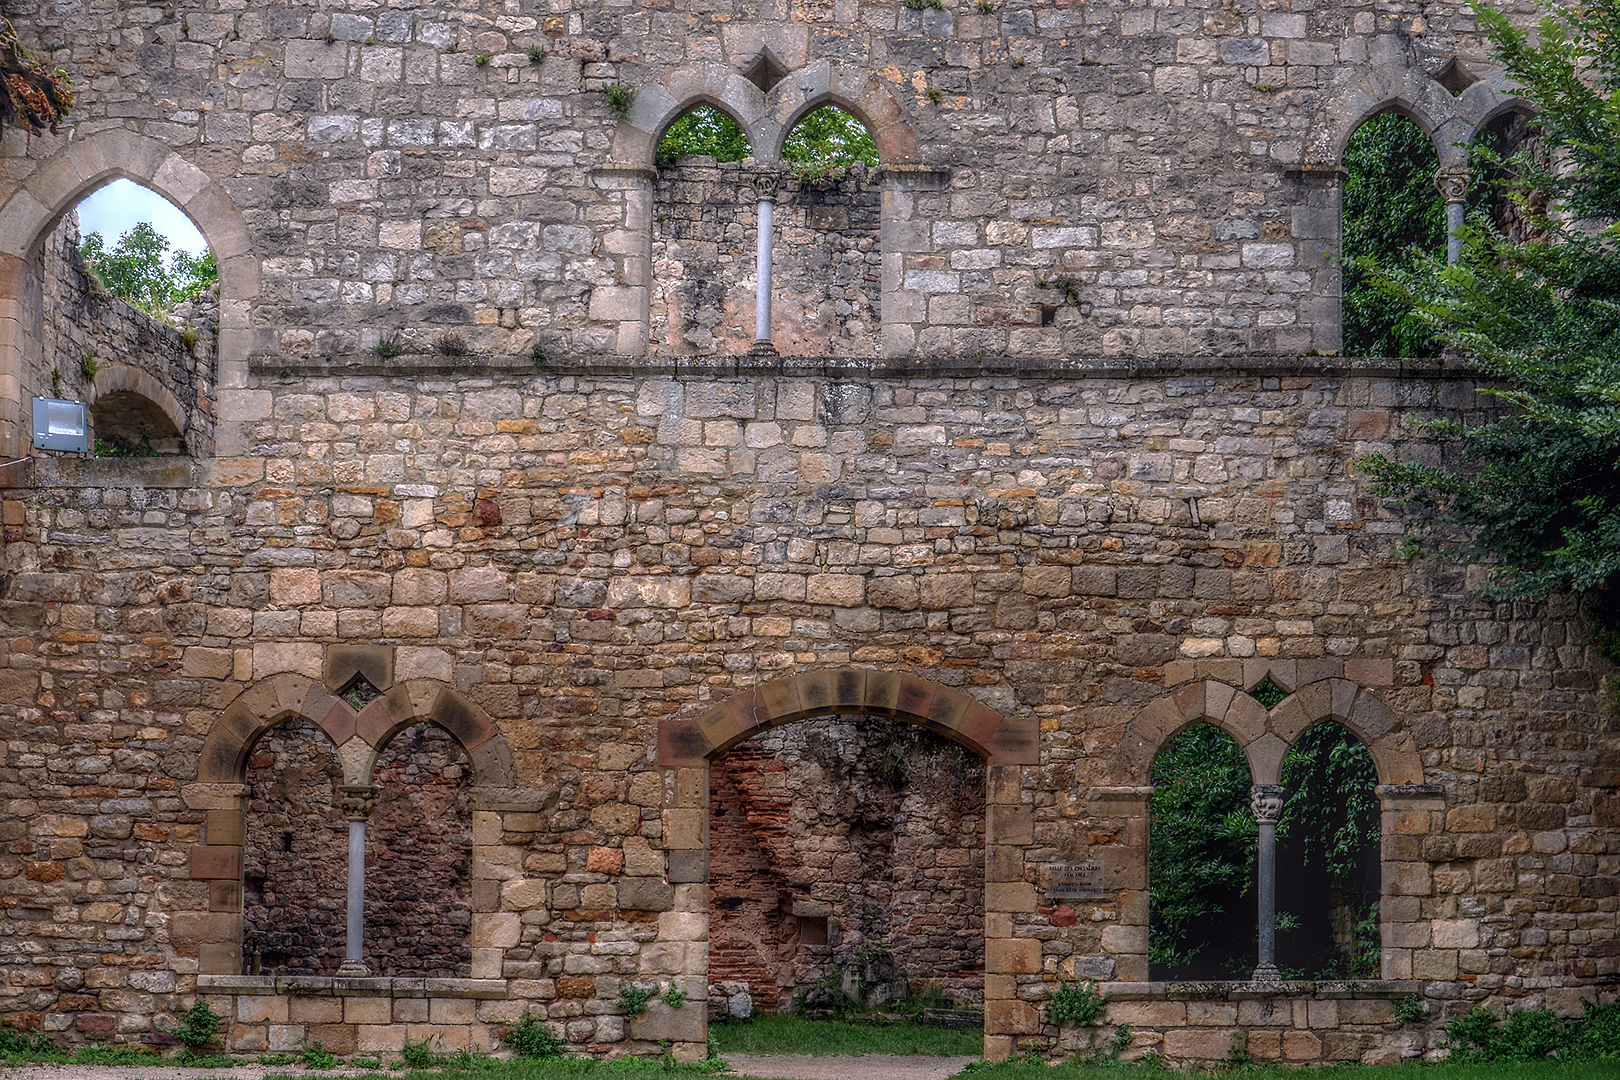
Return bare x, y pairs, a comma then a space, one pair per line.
1060, 181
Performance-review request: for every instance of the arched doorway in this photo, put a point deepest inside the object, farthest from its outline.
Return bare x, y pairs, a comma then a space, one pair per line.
1004, 744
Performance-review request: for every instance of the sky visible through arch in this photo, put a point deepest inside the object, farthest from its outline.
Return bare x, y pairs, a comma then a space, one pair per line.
117, 208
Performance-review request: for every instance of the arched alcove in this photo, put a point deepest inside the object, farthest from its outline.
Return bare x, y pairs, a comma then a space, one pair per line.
1391, 208
1328, 841
419, 857
847, 846
1201, 858
703, 237
295, 843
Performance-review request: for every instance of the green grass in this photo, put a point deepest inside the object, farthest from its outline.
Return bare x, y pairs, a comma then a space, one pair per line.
1499, 1070
795, 1035
555, 1069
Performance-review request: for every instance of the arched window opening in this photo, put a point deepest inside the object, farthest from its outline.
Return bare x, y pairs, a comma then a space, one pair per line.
1391, 209
1327, 859
1491, 196
143, 249
704, 227
418, 919
830, 138
128, 425
129, 285
704, 132
847, 868
294, 855
1202, 842
828, 261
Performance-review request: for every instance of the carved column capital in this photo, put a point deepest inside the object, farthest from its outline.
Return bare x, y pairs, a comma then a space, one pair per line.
358, 802
1266, 800
1452, 185
767, 181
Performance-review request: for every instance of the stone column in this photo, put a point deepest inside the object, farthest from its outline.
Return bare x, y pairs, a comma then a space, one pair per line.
1267, 802
767, 181
357, 805
1453, 185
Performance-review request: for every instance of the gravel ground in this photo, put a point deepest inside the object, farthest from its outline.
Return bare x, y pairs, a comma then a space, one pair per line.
865, 1067
763, 1066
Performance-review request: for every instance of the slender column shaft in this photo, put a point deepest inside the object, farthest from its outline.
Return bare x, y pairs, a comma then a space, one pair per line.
762, 305
354, 950
1267, 801
357, 804
1454, 223
1453, 187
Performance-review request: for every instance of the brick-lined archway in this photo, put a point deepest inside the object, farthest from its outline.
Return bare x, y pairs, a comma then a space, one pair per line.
1007, 745
1410, 807
359, 735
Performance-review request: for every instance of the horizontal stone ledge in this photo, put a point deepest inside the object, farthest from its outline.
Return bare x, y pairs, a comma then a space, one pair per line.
333, 986
1413, 796
1239, 990
1123, 367
173, 471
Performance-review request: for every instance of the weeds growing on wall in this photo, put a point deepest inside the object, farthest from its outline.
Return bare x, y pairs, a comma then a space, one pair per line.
1075, 1002
1533, 1034
530, 1038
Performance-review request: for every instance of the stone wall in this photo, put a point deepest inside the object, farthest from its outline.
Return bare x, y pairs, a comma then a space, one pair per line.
825, 266
841, 848
584, 561
141, 376
418, 857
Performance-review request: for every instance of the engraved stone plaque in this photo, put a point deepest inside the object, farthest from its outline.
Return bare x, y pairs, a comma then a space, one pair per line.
1074, 880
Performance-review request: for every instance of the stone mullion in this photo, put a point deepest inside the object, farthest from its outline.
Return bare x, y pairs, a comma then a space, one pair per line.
767, 181
358, 803
1267, 802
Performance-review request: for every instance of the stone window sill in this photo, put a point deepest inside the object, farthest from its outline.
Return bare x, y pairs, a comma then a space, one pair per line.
1238, 990
331, 986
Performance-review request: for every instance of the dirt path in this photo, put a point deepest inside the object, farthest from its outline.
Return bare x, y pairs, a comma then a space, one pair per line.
864, 1067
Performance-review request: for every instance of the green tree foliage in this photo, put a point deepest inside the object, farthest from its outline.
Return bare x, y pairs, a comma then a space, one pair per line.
1331, 809
1327, 857
1201, 858
1394, 216
704, 130
830, 137
137, 271
1538, 489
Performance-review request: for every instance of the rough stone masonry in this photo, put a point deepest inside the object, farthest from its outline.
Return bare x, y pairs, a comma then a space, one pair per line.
1074, 471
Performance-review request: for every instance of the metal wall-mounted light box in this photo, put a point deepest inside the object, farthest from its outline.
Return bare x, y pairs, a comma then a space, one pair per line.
61, 425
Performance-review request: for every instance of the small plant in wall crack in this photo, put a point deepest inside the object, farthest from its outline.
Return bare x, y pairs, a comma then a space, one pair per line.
633, 1000
529, 1038
197, 1028
483, 59
537, 55
673, 996
1075, 1002
88, 366
619, 96
934, 94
